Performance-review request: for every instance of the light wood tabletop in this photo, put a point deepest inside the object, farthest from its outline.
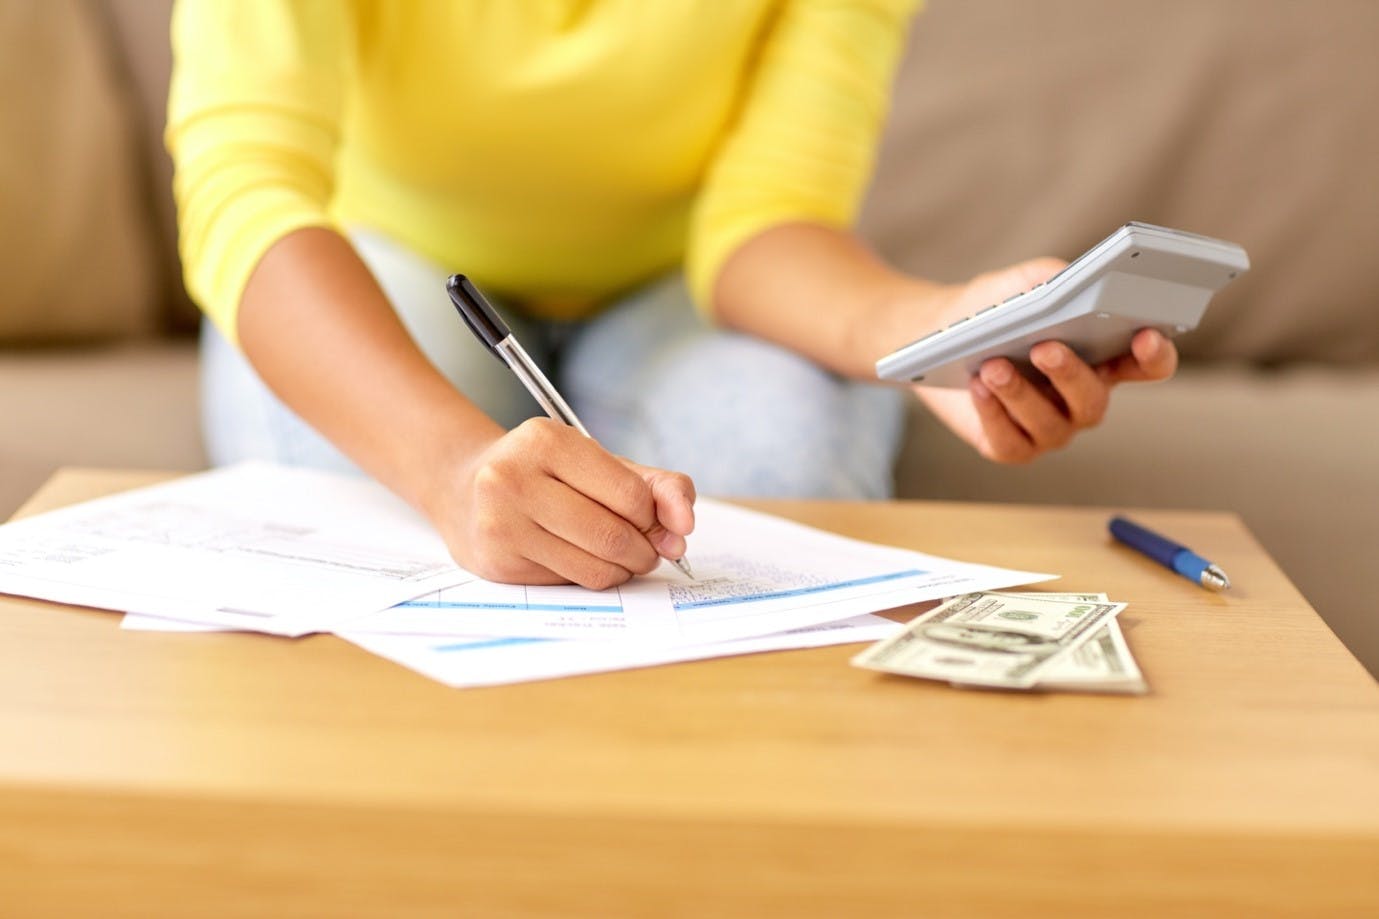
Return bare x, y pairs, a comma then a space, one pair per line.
154, 774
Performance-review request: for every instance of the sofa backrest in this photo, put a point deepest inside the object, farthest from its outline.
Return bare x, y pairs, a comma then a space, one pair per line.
140, 30
76, 250
1023, 128
1035, 128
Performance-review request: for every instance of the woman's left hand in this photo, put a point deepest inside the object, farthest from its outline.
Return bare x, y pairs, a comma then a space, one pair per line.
1010, 419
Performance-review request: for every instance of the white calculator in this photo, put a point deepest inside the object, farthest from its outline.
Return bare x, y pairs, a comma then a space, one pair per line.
1140, 277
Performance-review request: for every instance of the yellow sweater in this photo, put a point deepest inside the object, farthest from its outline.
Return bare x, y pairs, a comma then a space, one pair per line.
559, 151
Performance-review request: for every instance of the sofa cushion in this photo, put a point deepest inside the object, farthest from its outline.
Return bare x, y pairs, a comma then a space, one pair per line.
131, 405
76, 252
1024, 129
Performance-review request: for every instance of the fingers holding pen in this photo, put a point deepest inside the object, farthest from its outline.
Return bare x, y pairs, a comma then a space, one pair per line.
591, 527
547, 504
571, 563
658, 503
674, 496
552, 560
551, 474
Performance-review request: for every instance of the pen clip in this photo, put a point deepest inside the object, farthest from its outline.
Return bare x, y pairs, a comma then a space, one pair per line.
483, 320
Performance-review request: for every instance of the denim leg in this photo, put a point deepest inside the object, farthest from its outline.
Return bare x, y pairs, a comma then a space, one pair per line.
242, 419
739, 415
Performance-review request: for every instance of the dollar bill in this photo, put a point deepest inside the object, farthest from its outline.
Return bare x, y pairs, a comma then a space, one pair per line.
1101, 664
989, 639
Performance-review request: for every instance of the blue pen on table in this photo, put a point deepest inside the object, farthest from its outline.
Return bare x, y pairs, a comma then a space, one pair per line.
483, 320
1169, 554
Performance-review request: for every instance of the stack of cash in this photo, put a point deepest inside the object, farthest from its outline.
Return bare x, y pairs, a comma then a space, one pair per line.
1030, 641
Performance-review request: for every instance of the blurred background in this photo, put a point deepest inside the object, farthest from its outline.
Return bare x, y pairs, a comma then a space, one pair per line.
1018, 129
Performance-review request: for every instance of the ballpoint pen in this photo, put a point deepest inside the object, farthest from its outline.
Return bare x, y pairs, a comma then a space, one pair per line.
1169, 554
483, 320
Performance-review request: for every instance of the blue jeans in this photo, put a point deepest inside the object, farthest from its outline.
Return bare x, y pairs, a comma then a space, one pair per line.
648, 377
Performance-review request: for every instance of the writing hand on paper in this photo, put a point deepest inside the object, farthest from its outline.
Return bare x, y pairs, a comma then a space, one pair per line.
543, 504
1010, 419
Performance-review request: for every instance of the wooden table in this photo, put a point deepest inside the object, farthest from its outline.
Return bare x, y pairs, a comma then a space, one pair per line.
147, 774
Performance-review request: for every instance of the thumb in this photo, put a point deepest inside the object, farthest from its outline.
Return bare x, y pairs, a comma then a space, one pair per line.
674, 495
1026, 274
995, 286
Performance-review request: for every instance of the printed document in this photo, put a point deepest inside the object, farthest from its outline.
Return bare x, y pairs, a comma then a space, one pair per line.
255, 546
486, 661
480, 660
755, 575
259, 547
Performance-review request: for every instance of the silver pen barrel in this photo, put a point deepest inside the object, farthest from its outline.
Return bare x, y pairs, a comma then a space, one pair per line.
536, 382
525, 369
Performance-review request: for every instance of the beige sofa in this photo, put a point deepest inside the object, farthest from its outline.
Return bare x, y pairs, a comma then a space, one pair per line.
1019, 129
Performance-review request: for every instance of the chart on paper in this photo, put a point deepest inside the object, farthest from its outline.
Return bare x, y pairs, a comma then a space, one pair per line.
538, 611
732, 585
737, 594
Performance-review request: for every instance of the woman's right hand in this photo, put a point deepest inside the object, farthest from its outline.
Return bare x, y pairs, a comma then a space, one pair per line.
543, 504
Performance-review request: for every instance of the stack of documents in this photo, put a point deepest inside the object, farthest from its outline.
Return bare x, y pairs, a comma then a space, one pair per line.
288, 551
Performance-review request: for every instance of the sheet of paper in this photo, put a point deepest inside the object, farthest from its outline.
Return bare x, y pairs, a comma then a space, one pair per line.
755, 575
138, 622
254, 546
489, 661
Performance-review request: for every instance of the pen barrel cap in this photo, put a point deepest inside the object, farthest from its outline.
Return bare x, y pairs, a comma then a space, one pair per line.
1213, 578
483, 320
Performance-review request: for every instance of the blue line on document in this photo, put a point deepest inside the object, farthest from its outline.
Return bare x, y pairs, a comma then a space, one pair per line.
489, 643
798, 591
534, 607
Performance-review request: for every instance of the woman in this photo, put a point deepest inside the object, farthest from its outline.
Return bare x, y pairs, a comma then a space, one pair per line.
337, 160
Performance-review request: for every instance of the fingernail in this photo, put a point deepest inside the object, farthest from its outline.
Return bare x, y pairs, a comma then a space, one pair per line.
979, 390
1155, 344
997, 375
1051, 357
670, 545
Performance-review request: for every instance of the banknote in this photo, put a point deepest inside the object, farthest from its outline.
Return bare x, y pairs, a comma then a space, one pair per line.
989, 639
1103, 663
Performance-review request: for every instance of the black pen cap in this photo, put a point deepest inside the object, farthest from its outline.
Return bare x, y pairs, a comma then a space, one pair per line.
483, 320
